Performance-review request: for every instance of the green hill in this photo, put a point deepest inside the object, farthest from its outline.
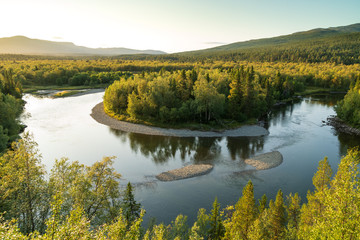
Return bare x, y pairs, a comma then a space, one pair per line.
336, 44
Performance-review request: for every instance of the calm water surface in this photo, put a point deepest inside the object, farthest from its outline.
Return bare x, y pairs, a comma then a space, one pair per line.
64, 128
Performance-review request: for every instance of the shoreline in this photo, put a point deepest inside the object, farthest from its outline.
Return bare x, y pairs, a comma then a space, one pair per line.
99, 115
341, 126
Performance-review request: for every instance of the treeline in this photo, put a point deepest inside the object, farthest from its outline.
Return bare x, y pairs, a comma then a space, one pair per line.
11, 106
348, 109
78, 202
341, 49
197, 96
82, 71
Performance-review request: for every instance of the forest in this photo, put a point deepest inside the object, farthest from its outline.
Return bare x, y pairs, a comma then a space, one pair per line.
11, 106
202, 97
348, 109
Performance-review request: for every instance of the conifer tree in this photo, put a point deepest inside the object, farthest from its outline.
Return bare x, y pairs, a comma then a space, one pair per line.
131, 208
277, 217
244, 215
216, 226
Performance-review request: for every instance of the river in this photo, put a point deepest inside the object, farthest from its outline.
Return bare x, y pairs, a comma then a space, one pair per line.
63, 127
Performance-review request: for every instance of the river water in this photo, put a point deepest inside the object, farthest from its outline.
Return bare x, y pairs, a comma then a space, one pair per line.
63, 127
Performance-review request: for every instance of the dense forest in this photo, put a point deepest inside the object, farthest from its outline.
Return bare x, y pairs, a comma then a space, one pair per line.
79, 202
348, 109
11, 107
191, 96
52, 71
339, 49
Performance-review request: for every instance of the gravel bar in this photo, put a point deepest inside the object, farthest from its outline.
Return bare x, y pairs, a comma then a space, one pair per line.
266, 160
100, 116
185, 172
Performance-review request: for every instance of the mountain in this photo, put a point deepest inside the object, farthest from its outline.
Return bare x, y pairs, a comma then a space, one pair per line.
338, 45
292, 38
28, 46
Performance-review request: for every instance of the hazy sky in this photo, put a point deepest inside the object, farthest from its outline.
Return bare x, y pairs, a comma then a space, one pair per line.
169, 25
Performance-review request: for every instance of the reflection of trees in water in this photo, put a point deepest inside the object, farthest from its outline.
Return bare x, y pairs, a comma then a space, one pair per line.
244, 147
120, 134
281, 113
163, 148
347, 141
206, 149
328, 100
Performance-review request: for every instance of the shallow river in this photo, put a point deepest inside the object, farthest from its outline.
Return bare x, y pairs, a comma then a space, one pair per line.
63, 128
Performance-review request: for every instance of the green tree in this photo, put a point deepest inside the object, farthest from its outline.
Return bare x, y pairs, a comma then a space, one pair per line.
210, 104
131, 208
276, 225
217, 229
293, 215
244, 215
236, 95
23, 189
9, 84
94, 188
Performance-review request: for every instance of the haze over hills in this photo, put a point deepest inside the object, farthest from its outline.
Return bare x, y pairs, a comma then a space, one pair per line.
28, 46
334, 44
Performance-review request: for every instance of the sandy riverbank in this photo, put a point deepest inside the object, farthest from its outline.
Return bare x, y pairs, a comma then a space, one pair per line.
266, 160
100, 116
185, 172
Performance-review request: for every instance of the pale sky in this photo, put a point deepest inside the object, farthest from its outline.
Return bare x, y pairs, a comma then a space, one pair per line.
169, 25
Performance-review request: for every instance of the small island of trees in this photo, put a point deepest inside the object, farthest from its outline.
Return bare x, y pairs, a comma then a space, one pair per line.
197, 96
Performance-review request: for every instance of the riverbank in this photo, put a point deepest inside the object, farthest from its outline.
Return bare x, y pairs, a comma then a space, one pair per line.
100, 116
341, 126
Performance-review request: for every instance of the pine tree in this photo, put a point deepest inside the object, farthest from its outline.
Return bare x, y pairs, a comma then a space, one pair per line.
236, 96
277, 217
216, 226
131, 208
262, 204
293, 215
244, 215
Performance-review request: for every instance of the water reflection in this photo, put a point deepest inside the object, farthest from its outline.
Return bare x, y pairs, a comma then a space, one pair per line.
244, 147
347, 141
199, 150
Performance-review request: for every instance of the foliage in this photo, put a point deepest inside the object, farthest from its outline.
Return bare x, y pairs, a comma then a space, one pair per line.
190, 96
348, 109
130, 207
10, 108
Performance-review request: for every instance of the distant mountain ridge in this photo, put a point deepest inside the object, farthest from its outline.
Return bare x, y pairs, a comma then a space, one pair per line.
27, 46
285, 39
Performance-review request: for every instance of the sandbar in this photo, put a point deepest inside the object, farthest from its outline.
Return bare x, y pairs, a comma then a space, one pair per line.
100, 116
185, 172
266, 160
